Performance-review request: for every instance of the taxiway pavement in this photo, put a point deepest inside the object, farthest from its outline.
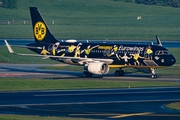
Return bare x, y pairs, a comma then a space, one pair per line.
32, 71
130, 103
133, 103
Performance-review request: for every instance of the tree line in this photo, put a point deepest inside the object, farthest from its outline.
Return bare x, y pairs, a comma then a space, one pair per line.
10, 4
172, 3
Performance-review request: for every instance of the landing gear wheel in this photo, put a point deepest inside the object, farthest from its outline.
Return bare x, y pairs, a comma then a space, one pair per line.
153, 71
119, 73
116, 73
154, 76
87, 74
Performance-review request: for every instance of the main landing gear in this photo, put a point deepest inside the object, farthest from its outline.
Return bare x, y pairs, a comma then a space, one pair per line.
87, 74
153, 71
119, 72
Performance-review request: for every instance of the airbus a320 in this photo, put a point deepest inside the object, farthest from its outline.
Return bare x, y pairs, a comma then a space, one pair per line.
96, 58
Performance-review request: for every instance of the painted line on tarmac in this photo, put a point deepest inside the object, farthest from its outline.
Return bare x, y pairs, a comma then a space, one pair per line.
129, 115
81, 103
112, 115
19, 74
125, 115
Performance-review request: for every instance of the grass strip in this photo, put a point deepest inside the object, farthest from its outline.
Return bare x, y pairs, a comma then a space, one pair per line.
30, 117
21, 84
95, 19
174, 106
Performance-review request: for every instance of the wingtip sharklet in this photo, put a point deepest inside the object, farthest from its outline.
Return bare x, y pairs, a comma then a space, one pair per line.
158, 41
9, 47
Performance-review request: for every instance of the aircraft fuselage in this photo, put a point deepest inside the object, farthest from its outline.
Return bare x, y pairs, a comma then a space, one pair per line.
122, 54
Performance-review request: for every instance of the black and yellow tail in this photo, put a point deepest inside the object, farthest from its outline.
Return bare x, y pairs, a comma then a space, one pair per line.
42, 34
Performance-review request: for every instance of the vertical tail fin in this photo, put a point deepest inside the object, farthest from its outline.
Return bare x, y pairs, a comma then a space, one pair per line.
41, 32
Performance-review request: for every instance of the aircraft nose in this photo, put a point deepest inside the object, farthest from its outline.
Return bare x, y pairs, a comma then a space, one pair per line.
171, 60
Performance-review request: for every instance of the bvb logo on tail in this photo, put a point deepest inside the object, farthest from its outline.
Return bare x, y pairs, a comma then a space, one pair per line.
40, 31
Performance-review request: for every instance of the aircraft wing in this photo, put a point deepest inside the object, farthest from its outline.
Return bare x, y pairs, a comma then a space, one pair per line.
80, 60
33, 47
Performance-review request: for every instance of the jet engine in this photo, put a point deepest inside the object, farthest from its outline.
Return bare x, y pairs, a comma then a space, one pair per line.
98, 68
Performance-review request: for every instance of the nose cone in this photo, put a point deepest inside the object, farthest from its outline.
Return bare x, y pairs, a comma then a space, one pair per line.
171, 60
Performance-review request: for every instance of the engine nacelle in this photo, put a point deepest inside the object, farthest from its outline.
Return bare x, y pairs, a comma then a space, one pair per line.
98, 68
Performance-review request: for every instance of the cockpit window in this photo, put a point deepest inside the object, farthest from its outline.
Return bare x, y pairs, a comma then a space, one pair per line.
162, 52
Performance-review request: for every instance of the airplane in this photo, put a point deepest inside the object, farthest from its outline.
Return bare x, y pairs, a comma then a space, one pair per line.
97, 58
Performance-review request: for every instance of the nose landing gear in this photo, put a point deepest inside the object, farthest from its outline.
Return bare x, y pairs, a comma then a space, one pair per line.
154, 75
